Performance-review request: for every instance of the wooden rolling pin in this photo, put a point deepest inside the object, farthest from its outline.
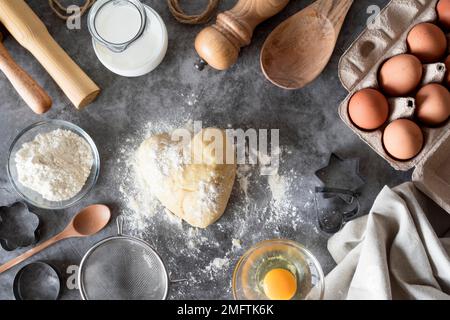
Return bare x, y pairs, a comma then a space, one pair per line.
219, 45
32, 34
30, 91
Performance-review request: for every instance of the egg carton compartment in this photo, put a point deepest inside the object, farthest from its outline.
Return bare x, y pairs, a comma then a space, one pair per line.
385, 38
433, 73
432, 176
359, 66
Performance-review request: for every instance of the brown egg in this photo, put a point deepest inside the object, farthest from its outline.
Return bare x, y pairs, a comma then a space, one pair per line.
443, 10
447, 76
427, 42
433, 104
400, 75
368, 109
403, 139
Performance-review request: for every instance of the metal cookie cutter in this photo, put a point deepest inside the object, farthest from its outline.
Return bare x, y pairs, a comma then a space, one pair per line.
335, 207
18, 226
341, 173
338, 201
37, 281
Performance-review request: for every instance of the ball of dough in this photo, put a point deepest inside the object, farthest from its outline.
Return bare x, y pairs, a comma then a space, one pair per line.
196, 191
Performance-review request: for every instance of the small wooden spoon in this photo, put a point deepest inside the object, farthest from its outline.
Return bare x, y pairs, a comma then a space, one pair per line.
299, 49
87, 222
30, 91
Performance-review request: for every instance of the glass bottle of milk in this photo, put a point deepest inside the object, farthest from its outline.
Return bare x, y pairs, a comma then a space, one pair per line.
129, 38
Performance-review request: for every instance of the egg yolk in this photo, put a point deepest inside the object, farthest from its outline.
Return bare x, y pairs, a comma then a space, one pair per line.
280, 284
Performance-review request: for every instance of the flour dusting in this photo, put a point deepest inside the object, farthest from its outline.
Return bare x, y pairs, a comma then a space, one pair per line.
190, 98
259, 205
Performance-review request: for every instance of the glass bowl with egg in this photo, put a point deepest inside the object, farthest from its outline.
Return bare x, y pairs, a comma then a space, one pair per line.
278, 270
53, 164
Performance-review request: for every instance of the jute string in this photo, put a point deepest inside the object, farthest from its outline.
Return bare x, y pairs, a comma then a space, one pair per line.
181, 16
174, 7
61, 11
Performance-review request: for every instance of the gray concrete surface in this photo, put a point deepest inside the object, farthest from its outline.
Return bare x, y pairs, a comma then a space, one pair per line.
242, 97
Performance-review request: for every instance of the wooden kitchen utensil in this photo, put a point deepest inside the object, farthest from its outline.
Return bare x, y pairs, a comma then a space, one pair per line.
30, 91
219, 45
32, 34
86, 223
299, 49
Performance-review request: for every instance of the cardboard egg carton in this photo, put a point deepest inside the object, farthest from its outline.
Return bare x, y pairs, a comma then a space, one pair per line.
358, 69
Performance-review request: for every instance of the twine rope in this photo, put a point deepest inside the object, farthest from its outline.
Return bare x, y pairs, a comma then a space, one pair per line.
181, 16
61, 11
174, 7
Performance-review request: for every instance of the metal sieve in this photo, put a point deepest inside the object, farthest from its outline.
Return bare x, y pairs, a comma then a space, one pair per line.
122, 268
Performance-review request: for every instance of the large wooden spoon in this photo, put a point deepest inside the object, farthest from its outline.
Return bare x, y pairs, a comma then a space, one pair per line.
86, 223
299, 49
30, 91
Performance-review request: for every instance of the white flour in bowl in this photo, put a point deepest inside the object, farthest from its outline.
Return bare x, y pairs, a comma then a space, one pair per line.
55, 164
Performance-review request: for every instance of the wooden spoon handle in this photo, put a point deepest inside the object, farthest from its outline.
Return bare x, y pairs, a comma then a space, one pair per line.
335, 11
30, 91
13, 262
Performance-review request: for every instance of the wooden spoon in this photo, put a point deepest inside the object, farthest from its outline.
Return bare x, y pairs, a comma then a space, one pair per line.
87, 222
299, 49
30, 91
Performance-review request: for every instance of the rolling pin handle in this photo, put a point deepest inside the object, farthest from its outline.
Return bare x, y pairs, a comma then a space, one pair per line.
200, 64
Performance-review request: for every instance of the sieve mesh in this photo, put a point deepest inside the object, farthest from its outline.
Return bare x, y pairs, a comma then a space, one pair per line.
123, 268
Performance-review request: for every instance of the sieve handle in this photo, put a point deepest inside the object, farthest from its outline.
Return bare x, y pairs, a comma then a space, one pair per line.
177, 281
120, 222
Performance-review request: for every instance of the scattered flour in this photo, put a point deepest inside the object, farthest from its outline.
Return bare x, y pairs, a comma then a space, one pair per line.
190, 98
259, 206
217, 264
244, 173
173, 218
55, 164
278, 187
207, 195
236, 244
139, 204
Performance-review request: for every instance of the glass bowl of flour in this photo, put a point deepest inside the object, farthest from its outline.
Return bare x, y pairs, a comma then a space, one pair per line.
53, 164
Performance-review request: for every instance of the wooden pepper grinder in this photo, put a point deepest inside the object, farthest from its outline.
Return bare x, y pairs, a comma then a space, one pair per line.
219, 45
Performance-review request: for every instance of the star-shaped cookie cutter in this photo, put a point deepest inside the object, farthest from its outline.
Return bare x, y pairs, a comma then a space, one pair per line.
341, 173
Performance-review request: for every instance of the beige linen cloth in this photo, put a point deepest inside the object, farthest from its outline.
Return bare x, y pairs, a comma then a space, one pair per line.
396, 252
